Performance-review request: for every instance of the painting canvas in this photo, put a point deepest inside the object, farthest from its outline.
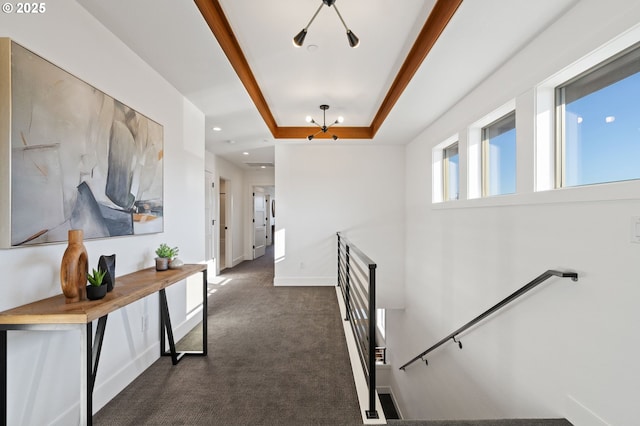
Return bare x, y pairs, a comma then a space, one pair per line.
79, 158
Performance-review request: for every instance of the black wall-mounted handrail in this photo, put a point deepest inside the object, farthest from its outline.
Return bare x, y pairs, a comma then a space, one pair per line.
357, 281
538, 280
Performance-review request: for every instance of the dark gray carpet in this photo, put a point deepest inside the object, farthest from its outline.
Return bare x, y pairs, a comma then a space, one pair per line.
277, 356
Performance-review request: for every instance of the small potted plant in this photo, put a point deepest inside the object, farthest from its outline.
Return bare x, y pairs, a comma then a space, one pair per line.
165, 254
96, 288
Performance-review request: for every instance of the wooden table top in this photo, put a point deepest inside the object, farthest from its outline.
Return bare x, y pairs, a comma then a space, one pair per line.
128, 289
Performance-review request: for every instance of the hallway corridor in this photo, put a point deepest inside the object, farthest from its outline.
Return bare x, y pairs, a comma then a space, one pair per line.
277, 356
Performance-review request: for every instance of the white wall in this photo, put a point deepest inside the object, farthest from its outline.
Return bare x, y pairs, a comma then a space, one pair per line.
566, 350
322, 189
44, 381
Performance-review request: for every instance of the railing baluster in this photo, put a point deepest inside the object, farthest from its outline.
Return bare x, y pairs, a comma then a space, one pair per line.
372, 413
347, 287
352, 277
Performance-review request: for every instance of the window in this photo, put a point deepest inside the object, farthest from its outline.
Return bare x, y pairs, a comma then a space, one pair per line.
450, 169
499, 156
381, 321
445, 171
598, 123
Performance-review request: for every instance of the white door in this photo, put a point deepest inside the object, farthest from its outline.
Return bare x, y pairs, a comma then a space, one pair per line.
267, 203
222, 255
259, 223
210, 210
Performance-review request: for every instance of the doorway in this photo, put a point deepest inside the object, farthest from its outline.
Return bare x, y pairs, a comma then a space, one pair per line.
210, 222
223, 228
259, 222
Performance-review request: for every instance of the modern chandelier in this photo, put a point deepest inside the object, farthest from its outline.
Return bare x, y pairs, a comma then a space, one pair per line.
298, 40
323, 127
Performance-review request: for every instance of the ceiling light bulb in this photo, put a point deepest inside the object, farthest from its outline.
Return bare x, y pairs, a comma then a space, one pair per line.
340, 119
308, 119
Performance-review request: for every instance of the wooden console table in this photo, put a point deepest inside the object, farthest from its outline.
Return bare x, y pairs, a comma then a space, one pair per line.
53, 314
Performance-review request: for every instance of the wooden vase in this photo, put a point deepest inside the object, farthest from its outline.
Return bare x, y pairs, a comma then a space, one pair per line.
74, 268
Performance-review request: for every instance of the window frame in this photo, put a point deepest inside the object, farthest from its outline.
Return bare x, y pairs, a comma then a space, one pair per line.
474, 150
597, 73
437, 169
485, 166
546, 150
446, 171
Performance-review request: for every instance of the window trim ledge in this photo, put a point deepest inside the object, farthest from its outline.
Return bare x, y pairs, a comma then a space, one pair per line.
606, 192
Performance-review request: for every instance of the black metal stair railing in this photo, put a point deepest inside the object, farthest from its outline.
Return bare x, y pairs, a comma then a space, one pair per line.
504, 302
357, 282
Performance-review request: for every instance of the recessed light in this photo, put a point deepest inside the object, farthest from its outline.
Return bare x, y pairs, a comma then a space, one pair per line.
231, 142
216, 129
245, 153
312, 48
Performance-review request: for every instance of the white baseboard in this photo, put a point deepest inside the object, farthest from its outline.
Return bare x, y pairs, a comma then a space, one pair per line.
109, 388
112, 386
578, 414
305, 281
193, 319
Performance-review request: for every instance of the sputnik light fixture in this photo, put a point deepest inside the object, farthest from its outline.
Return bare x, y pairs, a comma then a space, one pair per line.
298, 40
323, 127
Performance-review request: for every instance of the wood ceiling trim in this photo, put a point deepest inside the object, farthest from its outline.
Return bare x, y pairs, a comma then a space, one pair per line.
438, 19
440, 15
342, 132
217, 21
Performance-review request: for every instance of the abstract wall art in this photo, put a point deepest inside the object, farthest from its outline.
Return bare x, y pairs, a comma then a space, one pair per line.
72, 157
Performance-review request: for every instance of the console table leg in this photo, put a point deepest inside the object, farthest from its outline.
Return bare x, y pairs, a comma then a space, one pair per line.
86, 409
97, 349
205, 294
3, 375
165, 325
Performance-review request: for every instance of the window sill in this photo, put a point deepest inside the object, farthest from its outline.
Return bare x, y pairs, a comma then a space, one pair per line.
613, 191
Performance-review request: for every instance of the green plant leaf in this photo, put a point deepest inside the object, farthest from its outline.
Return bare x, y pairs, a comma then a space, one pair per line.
95, 278
165, 251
